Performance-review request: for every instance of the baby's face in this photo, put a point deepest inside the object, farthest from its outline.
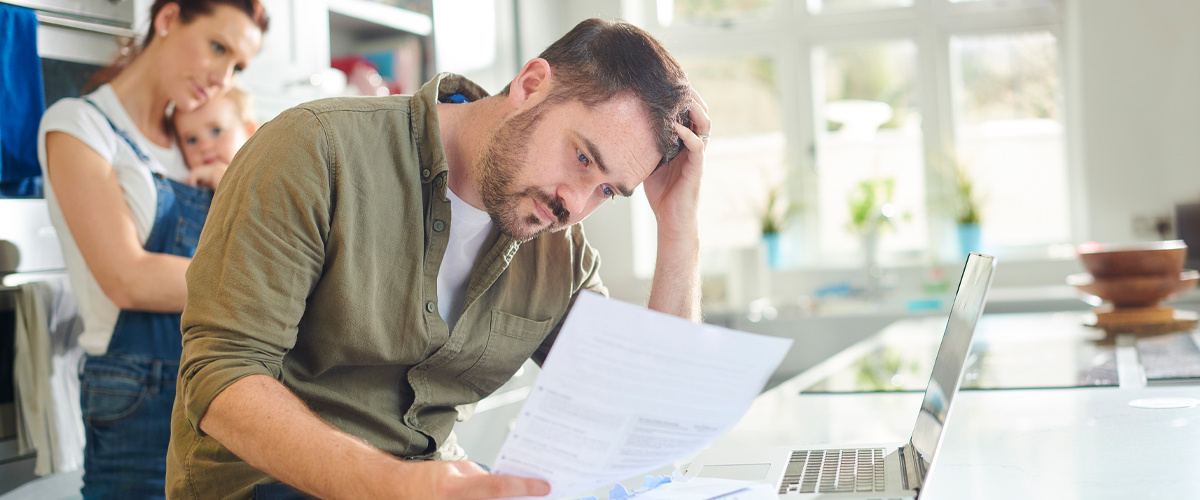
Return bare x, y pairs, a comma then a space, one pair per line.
212, 133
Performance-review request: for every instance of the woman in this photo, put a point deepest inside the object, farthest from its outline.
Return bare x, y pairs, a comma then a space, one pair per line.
128, 227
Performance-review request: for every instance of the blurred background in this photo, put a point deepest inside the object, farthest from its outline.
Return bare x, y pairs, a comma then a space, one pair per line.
860, 148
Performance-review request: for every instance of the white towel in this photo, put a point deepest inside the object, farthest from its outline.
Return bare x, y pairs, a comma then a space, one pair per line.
46, 375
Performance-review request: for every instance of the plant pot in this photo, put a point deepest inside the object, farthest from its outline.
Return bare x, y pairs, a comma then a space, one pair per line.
969, 236
775, 253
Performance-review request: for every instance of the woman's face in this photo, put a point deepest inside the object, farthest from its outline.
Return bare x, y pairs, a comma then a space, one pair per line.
199, 59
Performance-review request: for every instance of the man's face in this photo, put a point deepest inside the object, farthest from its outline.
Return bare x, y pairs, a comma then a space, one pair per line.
551, 165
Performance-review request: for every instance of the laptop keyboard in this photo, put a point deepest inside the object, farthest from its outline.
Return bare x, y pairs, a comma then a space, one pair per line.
834, 471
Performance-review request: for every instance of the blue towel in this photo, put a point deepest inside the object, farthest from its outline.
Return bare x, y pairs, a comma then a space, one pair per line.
22, 102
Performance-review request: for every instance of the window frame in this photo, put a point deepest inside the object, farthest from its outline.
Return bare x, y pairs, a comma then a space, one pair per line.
789, 33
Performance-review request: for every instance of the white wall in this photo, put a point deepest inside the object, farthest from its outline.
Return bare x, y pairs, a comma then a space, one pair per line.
1139, 110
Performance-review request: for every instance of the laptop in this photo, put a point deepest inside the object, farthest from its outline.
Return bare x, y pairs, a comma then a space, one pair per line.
892, 470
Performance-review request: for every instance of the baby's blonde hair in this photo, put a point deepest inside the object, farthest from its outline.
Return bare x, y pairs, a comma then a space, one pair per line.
241, 100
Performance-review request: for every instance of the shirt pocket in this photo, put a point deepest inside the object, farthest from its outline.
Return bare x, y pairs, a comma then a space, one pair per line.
511, 340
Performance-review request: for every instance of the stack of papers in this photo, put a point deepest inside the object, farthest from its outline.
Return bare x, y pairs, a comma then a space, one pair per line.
626, 391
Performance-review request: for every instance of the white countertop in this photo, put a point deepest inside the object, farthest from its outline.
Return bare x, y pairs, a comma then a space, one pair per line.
1009, 444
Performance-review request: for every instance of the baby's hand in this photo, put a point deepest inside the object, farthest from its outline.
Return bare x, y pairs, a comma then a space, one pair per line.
208, 175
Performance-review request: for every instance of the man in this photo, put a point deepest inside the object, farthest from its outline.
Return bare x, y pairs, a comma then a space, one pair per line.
373, 265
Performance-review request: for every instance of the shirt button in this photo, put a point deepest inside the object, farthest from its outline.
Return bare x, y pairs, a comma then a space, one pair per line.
425, 173
411, 420
438, 182
438, 225
430, 306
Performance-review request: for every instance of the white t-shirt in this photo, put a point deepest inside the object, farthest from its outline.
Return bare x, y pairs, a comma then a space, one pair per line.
468, 231
79, 119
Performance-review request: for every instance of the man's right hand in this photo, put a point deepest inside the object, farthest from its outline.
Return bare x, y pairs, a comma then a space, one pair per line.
464, 480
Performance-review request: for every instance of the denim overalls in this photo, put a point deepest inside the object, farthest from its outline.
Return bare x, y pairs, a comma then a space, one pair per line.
127, 393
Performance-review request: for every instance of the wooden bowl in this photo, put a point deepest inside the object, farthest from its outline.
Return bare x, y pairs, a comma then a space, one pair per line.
1135, 291
1163, 258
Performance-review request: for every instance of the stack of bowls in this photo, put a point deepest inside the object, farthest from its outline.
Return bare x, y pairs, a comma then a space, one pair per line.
1138, 275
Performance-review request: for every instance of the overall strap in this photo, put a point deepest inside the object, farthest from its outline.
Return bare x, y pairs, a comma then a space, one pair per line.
128, 140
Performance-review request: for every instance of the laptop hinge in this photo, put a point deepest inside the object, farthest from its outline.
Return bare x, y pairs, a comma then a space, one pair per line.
910, 474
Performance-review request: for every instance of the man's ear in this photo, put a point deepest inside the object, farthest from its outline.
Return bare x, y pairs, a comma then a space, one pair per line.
167, 18
532, 83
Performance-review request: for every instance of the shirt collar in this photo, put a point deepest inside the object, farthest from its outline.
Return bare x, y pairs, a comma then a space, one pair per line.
425, 118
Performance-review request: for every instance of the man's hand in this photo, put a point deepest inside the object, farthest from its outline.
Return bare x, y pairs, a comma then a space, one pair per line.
208, 175
464, 480
674, 195
674, 190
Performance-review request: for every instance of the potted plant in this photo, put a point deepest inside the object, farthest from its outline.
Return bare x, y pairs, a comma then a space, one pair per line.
966, 211
960, 201
773, 217
868, 204
871, 210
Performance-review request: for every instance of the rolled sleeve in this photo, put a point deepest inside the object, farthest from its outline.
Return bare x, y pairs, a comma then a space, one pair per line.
260, 256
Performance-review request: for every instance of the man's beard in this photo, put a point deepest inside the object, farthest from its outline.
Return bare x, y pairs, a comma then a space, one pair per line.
502, 157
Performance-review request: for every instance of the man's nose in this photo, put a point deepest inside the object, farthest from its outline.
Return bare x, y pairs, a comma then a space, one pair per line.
575, 197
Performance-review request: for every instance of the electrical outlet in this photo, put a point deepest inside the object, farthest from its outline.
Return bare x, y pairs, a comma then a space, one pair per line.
1153, 227
1165, 227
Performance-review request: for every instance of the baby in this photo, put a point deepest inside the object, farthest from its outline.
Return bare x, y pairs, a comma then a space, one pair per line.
210, 135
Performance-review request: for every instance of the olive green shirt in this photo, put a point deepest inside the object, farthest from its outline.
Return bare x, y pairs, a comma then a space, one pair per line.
318, 266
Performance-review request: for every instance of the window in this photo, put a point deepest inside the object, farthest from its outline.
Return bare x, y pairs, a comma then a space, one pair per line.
868, 131
1009, 133
828, 6
740, 168
882, 93
711, 12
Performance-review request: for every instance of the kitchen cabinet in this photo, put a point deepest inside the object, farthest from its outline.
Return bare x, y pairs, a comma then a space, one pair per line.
294, 64
295, 48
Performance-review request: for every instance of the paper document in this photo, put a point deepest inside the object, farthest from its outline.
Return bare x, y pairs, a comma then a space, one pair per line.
708, 488
627, 390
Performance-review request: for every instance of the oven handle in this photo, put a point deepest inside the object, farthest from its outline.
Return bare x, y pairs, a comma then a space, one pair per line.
69, 22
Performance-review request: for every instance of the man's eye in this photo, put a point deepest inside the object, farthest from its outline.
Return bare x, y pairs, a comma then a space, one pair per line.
581, 157
609, 191
218, 48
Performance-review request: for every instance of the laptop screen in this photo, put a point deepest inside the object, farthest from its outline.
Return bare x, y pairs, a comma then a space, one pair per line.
952, 356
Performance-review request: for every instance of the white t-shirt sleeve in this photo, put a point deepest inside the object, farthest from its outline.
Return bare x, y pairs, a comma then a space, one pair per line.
85, 123
82, 121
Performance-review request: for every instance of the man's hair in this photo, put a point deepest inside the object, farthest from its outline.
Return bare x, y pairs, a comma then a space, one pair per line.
599, 60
